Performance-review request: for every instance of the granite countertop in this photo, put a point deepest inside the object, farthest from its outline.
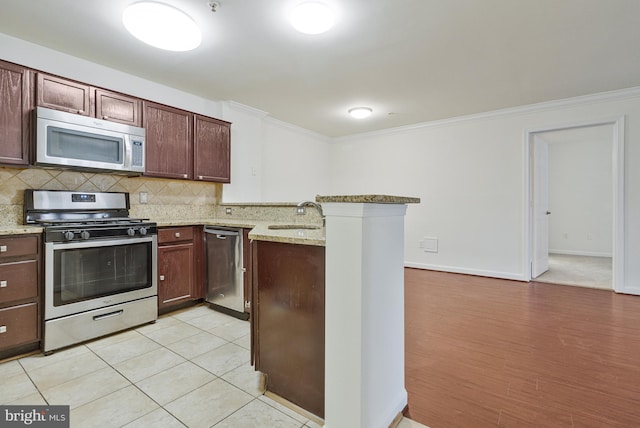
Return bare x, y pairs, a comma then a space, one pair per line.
368, 199
20, 229
259, 229
288, 236
228, 222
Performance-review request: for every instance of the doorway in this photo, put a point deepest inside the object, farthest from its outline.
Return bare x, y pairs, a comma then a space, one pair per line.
575, 204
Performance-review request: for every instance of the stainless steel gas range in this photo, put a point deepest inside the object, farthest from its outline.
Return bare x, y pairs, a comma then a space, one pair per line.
100, 265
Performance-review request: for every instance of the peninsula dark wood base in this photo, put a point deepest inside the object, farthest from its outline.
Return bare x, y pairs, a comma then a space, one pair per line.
484, 352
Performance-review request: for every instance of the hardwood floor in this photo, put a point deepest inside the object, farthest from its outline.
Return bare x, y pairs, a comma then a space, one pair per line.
484, 352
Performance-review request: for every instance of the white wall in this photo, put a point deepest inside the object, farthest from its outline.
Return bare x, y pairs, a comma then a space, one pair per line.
581, 197
471, 176
295, 163
273, 161
246, 150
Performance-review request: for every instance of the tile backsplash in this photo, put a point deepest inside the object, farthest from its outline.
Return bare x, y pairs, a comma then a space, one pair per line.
167, 199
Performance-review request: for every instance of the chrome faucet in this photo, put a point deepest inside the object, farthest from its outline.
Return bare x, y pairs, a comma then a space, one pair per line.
300, 208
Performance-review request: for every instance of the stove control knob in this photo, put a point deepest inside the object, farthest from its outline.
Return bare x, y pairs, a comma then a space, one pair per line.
131, 231
69, 235
143, 231
85, 234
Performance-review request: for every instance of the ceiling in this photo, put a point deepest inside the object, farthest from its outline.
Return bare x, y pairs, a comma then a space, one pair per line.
412, 61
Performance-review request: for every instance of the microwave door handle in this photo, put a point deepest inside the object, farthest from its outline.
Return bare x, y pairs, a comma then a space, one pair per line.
127, 152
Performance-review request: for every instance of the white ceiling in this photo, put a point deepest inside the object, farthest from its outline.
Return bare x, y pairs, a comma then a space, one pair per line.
410, 60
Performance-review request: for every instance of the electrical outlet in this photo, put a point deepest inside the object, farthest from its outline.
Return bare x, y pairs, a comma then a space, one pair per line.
301, 211
144, 198
228, 210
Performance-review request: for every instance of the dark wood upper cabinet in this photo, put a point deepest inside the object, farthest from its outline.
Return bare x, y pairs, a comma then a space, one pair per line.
15, 108
117, 107
169, 141
212, 149
179, 144
63, 94
183, 145
75, 97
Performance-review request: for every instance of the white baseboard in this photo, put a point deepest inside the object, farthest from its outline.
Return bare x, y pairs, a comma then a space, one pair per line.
580, 253
466, 271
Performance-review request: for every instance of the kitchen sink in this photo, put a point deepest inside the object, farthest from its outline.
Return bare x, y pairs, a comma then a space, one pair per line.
293, 226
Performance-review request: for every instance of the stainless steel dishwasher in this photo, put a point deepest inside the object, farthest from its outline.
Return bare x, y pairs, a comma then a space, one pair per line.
225, 272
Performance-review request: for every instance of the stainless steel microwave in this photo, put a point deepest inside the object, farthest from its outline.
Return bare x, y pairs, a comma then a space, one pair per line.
73, 141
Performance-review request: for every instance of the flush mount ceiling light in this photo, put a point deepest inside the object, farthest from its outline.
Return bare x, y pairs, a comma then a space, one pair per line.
162, 26
360, 112
312, 17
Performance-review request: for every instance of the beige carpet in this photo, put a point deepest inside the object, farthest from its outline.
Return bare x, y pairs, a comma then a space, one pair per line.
584, 271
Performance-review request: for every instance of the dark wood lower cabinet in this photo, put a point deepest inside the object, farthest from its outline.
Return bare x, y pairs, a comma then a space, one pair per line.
289, 286
180, 279
19, 325
20, 295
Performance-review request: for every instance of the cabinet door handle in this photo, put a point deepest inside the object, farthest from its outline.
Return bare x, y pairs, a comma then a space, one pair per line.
3, 329
161, 277
3, 284
177, 234
3, 248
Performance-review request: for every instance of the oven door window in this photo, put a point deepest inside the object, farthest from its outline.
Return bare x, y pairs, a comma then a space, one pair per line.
88, 273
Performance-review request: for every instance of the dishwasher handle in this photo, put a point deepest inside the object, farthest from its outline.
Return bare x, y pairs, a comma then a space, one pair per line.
222, 233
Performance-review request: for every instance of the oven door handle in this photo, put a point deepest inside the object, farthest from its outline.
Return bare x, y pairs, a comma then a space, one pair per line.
108, 315
100, 243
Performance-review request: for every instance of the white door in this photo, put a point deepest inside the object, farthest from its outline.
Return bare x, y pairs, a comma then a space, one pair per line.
540, 207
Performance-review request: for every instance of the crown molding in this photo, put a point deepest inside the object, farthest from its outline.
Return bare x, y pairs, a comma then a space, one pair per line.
234, 105
616, 95
298, 129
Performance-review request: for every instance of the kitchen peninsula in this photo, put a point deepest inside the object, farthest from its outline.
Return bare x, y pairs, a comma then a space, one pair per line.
363, 307
358, 271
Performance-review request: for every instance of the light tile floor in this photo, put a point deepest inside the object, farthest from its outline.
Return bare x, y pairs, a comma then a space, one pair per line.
190, 368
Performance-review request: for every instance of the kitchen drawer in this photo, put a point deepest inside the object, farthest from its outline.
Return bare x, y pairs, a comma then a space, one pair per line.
18, 247
175, 234
18, 325
18, 281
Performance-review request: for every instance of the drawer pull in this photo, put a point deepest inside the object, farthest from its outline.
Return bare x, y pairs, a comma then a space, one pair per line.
3, 329
177, 234
3, 248
3, 284
109, 315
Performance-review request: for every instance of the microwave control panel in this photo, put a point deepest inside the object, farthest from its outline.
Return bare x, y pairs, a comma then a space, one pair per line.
137, 153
